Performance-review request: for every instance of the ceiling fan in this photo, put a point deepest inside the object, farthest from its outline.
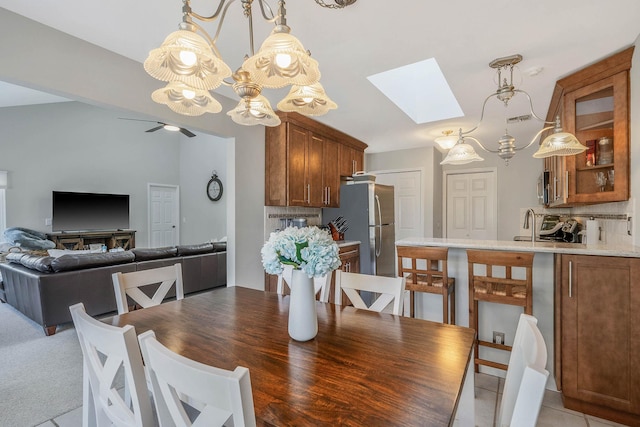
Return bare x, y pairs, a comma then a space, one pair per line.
165, 126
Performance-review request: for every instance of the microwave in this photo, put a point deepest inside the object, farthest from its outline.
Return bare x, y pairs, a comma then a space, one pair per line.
543, 188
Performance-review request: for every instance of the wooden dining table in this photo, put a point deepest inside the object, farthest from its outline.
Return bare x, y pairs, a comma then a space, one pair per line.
362, 369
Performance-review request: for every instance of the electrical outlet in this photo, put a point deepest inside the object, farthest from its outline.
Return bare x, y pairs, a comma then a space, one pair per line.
47, 221
498, 337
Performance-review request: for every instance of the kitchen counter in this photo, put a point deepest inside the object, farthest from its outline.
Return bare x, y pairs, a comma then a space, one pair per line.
542, 247
503, 318
343, 243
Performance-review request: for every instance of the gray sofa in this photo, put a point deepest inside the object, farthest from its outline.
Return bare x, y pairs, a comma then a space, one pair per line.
43, 287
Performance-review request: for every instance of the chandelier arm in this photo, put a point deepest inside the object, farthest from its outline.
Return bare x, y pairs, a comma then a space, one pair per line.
215, 14
534, 138
533, 113
224, 14
208, 38
480, 144
264, 6
484, 104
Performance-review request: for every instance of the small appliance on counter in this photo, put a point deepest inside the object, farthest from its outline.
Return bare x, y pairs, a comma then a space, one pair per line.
557, 230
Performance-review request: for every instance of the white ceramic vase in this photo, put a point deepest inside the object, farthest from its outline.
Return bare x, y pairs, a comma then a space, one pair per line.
303, 319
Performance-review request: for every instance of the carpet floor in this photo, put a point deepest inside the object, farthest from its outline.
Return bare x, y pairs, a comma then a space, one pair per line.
40, 376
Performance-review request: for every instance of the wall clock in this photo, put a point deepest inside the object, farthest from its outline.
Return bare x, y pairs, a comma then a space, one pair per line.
214, 188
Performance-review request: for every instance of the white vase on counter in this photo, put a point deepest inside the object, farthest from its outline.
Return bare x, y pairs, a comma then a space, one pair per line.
303, 319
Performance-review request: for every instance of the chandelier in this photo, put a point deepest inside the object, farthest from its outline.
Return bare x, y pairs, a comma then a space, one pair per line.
558, 143
189, 61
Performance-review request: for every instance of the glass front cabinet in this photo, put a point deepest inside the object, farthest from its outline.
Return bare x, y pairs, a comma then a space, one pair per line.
595, 108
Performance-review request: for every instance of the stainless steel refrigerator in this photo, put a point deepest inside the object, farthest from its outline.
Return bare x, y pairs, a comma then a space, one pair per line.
368, 209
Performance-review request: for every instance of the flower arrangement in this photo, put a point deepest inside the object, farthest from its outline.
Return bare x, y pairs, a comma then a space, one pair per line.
309, 249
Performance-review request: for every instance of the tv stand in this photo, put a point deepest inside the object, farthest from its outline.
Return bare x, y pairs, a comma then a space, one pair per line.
78, 240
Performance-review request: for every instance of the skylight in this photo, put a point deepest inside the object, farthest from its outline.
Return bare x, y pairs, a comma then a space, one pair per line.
420, 90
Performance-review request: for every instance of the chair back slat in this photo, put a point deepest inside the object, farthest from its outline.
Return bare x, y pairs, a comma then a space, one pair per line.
108, 352
131, 284
184, 389
384, 290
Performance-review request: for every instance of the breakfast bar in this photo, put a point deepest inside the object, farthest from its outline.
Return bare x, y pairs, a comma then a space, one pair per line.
585, 299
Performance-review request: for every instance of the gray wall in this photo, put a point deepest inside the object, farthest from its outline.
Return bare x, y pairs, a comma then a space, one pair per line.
414, 158
516, 183
45, 59
201, 219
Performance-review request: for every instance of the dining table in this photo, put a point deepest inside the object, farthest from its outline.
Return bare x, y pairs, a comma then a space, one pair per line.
363, 368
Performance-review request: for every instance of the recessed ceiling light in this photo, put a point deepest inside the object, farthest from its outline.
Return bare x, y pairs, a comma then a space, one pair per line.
420, 90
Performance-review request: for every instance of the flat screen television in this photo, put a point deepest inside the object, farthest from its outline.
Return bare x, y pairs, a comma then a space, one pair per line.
89, 211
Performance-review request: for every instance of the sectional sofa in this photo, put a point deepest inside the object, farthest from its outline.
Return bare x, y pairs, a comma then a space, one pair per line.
43, 287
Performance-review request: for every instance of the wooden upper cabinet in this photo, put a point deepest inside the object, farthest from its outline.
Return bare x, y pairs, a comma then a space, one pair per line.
331, 175
594, 105
303, 161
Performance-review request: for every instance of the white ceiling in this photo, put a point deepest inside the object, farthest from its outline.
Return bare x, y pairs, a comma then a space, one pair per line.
372, 36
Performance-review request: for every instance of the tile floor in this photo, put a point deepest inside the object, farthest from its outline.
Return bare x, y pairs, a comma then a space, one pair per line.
488, 391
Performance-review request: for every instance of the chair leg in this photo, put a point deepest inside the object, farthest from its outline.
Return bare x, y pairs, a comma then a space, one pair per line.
412, 305
453, 306
445, 305
477, 340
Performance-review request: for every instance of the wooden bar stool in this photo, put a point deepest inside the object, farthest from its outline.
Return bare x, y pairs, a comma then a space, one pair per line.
501, 289
432, 279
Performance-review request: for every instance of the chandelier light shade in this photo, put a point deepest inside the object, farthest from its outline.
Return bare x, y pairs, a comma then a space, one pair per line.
187, 57
282, 61
447, 141
461, 154
190, 62
186, 100
308, 100
558, 144
254, 111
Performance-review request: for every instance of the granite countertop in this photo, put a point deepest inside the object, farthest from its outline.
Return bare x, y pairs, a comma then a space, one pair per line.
342, 243
619, 250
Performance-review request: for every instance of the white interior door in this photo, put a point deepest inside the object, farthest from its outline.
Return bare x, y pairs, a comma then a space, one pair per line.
471, 205
409, 218
164, 214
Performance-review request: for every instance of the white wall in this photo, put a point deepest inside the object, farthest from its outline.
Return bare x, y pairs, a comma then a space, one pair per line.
201, 219
69, 67
72, 146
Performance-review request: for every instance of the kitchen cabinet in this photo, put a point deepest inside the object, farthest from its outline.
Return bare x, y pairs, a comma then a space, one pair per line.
594, 105
350, 258
302, 166
351, 160
597, 335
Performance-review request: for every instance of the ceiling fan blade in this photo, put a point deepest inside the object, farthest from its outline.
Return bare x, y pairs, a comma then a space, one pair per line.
140, 120
187, 132
155, 128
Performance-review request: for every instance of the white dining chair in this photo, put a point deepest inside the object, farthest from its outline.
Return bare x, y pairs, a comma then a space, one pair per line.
320, 284
109, 352
384, 290
180, 385
129, 284
526, 376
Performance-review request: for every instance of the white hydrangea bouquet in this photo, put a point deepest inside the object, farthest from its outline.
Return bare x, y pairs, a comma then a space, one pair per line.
309, 249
